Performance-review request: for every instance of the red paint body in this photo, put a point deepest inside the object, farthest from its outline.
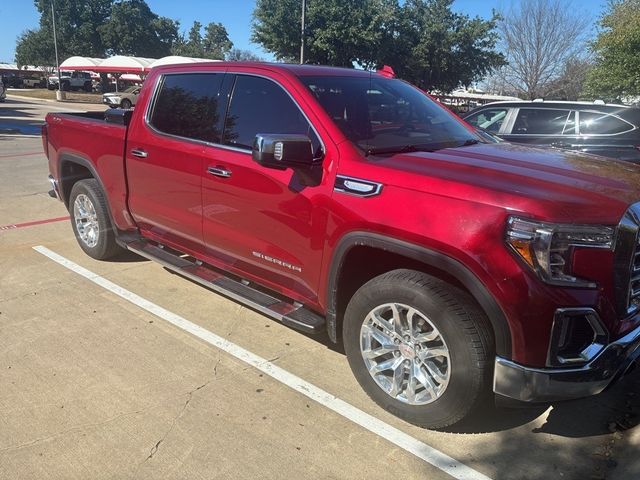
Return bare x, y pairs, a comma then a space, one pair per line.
454, 201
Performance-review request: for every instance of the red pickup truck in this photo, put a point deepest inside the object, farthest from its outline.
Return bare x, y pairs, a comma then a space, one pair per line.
342, 201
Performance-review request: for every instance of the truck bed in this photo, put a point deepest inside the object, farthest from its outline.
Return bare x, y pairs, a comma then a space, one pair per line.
97, 144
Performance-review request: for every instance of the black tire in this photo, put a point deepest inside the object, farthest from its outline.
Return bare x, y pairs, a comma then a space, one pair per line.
66, 86
125, 103
96, 235
463, 328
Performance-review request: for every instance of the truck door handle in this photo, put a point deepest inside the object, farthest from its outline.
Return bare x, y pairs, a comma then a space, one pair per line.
219, 172
139, 153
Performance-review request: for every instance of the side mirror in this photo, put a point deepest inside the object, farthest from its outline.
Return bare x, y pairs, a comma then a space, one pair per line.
283, 150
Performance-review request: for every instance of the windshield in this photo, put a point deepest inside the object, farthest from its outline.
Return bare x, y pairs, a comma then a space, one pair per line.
381, 115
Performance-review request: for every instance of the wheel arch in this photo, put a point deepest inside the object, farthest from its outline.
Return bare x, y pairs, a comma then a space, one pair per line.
74, 168
341, 285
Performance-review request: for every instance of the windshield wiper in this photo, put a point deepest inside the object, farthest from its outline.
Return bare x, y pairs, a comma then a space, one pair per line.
471, 141
396, 149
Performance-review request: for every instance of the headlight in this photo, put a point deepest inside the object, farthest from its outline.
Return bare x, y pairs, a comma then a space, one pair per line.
547, 247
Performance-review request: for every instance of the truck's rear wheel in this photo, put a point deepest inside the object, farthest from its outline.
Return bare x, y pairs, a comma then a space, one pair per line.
90, 220
419, 347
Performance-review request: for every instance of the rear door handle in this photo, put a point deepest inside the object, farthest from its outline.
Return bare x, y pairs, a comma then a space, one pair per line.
219, 172
139, 153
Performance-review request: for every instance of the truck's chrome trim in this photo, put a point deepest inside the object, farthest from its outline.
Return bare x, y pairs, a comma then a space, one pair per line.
357, 186
156, 89
528, 384
55, 191
291, 314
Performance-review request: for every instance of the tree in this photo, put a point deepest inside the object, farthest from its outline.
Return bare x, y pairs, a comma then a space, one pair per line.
437, 49
215, 44
133, 29
570, 84
238, 55
95, 28
540, 37
423, 40
76, 26
616, 73
338, 32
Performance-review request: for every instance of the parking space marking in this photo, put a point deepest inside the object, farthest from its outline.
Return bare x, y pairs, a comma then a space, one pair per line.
403, 440
13, 226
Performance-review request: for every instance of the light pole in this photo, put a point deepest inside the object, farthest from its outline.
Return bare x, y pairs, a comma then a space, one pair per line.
55, 46
304, 8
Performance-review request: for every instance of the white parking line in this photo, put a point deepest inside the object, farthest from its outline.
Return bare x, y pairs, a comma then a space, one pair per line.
406, 442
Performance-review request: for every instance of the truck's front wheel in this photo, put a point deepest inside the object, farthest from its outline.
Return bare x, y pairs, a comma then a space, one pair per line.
419, 347
90, 220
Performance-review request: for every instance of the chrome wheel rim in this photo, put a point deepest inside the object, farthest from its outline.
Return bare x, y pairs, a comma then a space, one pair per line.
86, 220
405, 354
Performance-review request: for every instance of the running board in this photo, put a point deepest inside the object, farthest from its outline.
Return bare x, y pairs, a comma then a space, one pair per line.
291, 314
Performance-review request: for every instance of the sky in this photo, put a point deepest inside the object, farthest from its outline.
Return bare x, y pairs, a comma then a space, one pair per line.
17, 16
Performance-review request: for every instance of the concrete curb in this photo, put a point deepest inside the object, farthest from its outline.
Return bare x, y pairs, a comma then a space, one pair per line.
34, 99
20, 97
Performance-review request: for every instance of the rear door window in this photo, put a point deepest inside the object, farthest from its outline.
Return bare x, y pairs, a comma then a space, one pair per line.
592, 123
490, 119
541, 121
187, 106
259, 105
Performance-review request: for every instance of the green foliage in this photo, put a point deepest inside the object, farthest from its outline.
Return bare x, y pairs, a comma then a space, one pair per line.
215, 44
423, 40
436, 48
76, 25
98, 28
616, 73
338, 32
133, 29
239, 55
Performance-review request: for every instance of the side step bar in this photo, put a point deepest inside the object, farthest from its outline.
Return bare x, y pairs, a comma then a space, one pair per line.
291, 314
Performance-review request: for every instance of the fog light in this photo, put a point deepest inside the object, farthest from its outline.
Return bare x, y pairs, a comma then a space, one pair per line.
576, 338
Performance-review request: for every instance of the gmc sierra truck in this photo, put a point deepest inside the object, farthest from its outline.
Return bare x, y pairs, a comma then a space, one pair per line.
451, 267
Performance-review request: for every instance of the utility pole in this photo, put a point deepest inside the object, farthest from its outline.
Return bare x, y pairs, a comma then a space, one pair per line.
55, 46
304, 8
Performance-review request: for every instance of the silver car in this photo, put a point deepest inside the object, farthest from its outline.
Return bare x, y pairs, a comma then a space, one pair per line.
125, 99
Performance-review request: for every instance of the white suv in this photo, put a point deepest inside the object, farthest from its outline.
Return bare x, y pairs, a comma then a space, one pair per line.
71, 81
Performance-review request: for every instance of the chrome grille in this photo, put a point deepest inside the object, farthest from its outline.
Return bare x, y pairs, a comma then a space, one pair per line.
627, 263
634, 281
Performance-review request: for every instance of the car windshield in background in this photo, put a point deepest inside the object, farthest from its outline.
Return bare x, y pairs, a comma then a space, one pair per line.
382, 115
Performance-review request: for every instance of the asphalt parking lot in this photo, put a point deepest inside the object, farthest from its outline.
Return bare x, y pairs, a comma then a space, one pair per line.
122, 370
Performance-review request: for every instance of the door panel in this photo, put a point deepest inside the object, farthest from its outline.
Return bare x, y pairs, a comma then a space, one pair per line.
261, 221
165, 159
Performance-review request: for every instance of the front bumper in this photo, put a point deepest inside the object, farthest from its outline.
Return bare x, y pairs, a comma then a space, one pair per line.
528, 384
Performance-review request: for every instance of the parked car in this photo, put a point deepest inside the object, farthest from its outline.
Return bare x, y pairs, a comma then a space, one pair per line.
341, 201
598, 128
34, 82
124, 99
71, 81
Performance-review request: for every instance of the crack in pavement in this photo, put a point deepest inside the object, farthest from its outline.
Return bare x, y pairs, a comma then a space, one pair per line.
189, 394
